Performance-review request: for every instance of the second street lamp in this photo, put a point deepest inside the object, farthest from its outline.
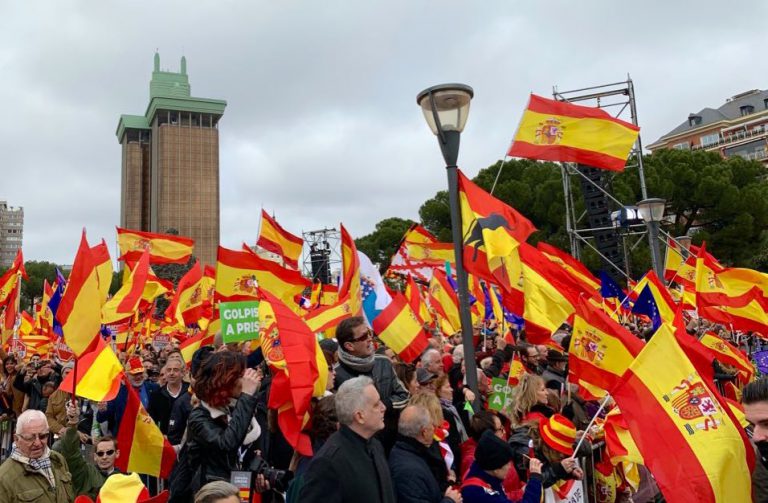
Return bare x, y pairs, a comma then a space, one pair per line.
445, 109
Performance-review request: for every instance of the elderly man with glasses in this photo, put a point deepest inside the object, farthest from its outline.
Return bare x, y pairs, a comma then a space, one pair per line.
34, 472
87, 478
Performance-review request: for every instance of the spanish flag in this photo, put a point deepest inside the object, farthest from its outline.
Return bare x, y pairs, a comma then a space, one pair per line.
163, 248
10, 313
278, 240
299, 369
143, 449
670, 408
98, 375
416, 300
445, 302
282, 282
619, 443
559, 131
680, 264
8, 279
79, 312
187, 304
490, 226
601, 350
398, 326
192, 344
103, 261
435, 254
575, 268
402, 264
516, 370
125, 302
729, 354
44, 320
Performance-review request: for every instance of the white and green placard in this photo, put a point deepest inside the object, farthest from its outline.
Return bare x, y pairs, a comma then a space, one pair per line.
239, 321
501, 395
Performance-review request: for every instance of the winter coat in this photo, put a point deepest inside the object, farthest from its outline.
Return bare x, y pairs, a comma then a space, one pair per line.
161, 404
177, 424
348, 469
481, 487
414, 481
20, 484
511, 483
86, 477
392, 391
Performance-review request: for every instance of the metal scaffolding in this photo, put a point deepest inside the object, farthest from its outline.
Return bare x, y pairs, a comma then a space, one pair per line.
322, 245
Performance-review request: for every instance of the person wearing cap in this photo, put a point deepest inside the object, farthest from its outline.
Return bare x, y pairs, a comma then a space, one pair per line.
426, 379
557, 370
553, 440
33, 472
493, 460
412, 462
124, 489
112, 412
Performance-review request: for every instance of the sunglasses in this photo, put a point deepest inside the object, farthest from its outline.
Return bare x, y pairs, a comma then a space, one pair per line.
31, 437
367, 335
101, 454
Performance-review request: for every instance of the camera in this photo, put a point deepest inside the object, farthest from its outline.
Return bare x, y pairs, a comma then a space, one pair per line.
278, 479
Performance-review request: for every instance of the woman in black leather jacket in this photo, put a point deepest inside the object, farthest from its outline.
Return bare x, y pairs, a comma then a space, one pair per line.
222, 429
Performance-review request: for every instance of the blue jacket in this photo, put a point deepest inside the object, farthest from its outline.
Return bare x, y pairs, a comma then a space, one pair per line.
488, 489
412, 475
116, 407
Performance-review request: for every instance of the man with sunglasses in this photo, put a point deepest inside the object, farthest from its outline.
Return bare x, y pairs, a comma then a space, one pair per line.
356, 358
34, 472
87, 478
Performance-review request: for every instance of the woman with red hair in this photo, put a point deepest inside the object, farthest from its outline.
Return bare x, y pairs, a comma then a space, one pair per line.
222, 430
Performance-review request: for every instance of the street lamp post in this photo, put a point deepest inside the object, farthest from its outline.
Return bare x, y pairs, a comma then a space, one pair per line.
652, 212
445, 109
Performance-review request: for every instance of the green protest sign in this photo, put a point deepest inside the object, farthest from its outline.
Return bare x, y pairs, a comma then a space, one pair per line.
239, 321
501, 394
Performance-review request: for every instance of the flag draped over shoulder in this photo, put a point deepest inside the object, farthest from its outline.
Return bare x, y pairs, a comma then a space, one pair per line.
79, 311
553, 130
274, 238
98, 375
143, 448
669, 408
299, 369
492, 227
163, 248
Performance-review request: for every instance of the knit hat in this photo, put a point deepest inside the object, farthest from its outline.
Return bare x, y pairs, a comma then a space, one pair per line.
559, 433
492, 452
135, 366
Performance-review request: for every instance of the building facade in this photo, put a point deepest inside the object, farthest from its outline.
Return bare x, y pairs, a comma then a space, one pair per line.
738, 127
170, 163
11, 232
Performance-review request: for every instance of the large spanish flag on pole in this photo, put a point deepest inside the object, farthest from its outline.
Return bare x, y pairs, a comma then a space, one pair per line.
669, 408
559, 131
163, 248
80, 310
274, 238
143, 449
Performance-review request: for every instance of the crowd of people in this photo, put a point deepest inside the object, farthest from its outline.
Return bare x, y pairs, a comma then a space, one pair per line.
385, 431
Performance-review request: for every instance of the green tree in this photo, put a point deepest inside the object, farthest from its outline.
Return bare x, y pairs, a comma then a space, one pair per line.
33, 289
382, 243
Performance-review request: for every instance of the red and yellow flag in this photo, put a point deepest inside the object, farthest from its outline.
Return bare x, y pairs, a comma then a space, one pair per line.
435, 254
125, 302
163, 248
416, 300
402, 264
575, 268
559, 131
278, 240
79, 311
492, 227
516, 371
601, 350
98, 375
143, 449
192, 344
8, 279
680, 264
100, 254
191, 293
400, 329
299, 369
730, 355
669, 408
445, 302
619, 443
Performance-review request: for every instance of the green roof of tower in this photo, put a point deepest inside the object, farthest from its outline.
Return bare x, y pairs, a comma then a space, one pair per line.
169, 91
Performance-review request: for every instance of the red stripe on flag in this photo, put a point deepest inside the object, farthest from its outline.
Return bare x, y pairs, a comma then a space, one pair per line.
561, 153
546, 106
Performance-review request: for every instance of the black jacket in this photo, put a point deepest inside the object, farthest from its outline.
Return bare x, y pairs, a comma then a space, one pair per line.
412, 467
161, 404
177, 424
348, 469
213, 443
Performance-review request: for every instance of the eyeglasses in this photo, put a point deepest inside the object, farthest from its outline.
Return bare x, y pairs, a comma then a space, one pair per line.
101, 454
32, 436
367, 335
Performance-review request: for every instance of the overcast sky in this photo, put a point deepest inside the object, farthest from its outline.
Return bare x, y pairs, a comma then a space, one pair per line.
322, 125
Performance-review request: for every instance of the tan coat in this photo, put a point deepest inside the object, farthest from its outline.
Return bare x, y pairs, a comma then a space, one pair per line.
19, 483
56, 412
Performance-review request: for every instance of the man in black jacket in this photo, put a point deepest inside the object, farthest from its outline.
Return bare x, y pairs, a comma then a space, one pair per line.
161, 402
351, 467
356, 358
414, 466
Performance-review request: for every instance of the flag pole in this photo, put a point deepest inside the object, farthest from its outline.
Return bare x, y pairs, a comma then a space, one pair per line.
591, 422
